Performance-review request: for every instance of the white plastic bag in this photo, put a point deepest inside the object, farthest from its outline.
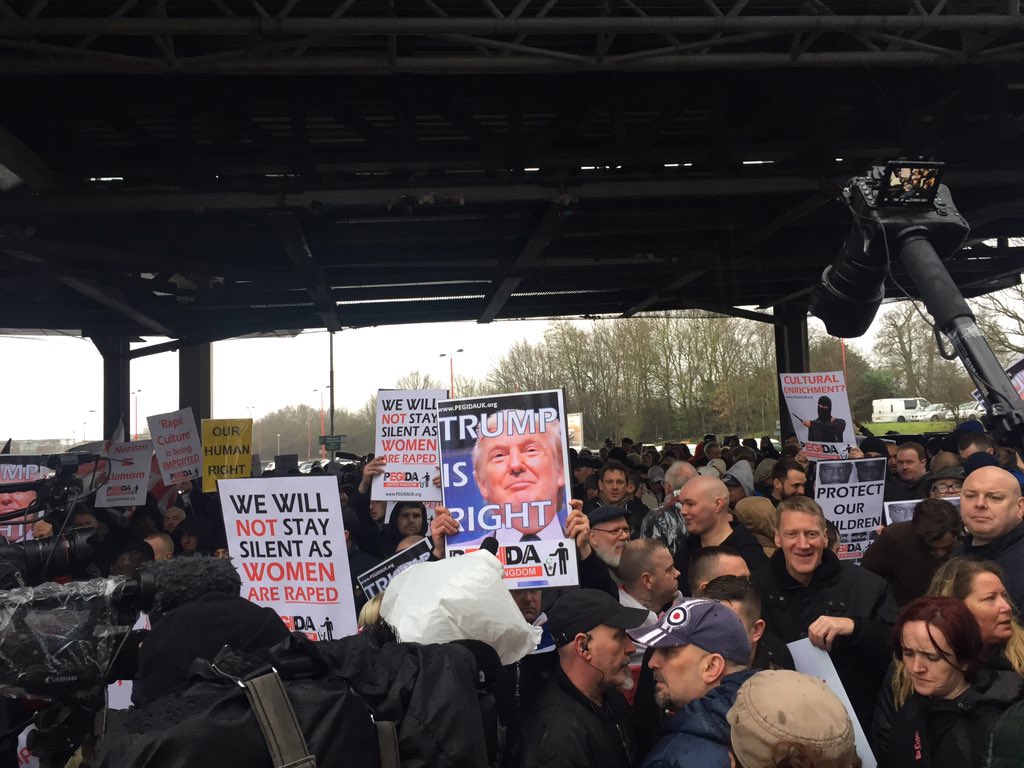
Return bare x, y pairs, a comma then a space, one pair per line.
459, 598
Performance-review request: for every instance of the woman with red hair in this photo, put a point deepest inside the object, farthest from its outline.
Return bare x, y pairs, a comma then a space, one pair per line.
948, 718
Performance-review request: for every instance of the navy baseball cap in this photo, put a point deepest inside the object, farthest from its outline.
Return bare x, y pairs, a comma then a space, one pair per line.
604, 514
707, 624
580, 610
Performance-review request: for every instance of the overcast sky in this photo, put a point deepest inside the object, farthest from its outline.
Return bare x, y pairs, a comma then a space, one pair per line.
53, 388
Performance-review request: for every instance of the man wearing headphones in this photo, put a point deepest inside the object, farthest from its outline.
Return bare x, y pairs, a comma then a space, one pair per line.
581, 718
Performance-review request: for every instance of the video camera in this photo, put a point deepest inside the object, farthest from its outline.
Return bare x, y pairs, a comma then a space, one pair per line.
902, 210
53, 499
62, 642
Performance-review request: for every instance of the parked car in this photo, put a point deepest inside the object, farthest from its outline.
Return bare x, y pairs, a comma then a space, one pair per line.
970, 410
936, 412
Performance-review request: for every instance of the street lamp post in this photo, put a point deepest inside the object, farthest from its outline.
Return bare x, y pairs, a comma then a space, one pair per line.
278, 443
322, 433
451, 370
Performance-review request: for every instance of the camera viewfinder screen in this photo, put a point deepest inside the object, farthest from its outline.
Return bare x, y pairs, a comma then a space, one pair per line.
909, 184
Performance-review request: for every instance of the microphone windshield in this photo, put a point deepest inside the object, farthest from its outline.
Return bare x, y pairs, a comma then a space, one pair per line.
185, 579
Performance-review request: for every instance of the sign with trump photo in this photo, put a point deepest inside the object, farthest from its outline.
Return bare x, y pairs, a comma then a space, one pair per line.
505, 475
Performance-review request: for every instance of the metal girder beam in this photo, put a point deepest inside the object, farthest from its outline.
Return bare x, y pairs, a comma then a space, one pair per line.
105, 295
26, 164
289, 232
557, 26
137, 201
723, 309
549, 224
659, 295
469, 65
790, 216
375, 197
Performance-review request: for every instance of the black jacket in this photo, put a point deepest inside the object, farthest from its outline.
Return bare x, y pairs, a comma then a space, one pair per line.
897, 489
886, 712
740, 540
838, 589
595, 574
518, 687
940, 733
429, 691
1008, 551
567, 730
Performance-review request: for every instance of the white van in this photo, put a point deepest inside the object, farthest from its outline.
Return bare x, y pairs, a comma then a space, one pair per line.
897, 408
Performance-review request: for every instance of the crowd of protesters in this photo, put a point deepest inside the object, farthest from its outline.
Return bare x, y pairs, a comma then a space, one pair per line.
697, 568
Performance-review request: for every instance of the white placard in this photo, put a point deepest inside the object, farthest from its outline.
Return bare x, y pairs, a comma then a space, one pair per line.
407, 440
128, 479
850, 493
820, 410
286, 537
179, 451
810, 660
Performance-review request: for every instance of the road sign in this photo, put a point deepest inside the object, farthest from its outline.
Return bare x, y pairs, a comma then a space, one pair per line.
332, 442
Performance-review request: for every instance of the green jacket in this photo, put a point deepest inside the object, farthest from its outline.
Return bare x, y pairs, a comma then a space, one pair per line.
1007, 748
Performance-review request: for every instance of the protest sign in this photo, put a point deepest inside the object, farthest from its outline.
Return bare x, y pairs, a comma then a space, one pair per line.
820, 411
15, 473
177, 447
1015, 371
227, 451
25, 757
811, 660
505, 470
850, 494
128, 479
407, 439
376, 580
287, 541
900, 511
903, 511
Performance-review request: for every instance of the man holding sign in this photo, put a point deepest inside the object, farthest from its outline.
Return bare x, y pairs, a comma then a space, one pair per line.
842, 608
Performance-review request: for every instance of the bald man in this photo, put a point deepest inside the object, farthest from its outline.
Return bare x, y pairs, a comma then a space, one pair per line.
992, 509
705, 510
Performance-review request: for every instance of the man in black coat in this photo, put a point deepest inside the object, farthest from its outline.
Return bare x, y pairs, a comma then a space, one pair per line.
705, 502
842, 608
581, 718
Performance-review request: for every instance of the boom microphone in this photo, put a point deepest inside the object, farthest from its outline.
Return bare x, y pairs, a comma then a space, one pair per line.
185, 579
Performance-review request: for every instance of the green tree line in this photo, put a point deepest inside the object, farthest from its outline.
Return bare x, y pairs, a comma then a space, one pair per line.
683, 374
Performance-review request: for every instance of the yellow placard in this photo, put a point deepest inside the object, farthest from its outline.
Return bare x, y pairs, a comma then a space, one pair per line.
227, 451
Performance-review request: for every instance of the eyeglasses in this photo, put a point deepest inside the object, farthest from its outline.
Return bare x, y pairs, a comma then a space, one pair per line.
946, 488
613, 531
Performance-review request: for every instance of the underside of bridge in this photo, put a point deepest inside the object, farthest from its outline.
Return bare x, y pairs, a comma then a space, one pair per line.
214, 168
